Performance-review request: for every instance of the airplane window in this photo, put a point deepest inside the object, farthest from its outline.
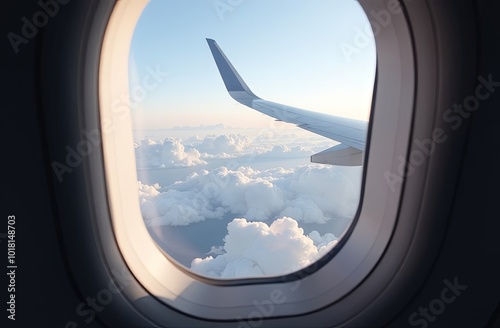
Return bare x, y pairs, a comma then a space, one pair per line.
250, 123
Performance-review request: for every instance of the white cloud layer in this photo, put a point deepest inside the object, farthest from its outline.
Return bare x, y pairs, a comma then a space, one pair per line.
195, 151
254, 249
309, 194
265, 206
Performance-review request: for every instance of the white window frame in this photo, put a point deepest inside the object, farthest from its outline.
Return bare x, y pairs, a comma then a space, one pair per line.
389, 138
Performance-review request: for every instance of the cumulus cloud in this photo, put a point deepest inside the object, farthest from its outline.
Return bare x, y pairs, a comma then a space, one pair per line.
166, 154
223, 144
174, 154
253, 249
309, 194
173, 207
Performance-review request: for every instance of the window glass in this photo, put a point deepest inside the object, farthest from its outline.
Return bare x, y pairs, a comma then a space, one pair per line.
228, 191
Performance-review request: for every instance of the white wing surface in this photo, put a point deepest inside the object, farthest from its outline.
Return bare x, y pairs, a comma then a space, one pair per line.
351, 134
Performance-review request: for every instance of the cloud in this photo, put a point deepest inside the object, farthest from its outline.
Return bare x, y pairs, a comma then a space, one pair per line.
281, 151
194, 151
165, 154
174, 154
308, 194
223, 144
255, 249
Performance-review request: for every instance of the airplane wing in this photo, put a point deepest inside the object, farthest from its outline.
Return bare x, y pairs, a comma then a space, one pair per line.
351, 134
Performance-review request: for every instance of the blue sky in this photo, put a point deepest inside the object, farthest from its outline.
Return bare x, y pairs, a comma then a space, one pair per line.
286, 51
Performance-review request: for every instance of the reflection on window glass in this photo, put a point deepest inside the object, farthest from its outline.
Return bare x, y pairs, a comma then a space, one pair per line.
230, 184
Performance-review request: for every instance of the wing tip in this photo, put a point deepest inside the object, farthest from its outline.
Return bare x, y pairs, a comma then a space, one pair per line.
230, 76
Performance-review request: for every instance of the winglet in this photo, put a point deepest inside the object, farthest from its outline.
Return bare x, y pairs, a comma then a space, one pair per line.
232, 79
